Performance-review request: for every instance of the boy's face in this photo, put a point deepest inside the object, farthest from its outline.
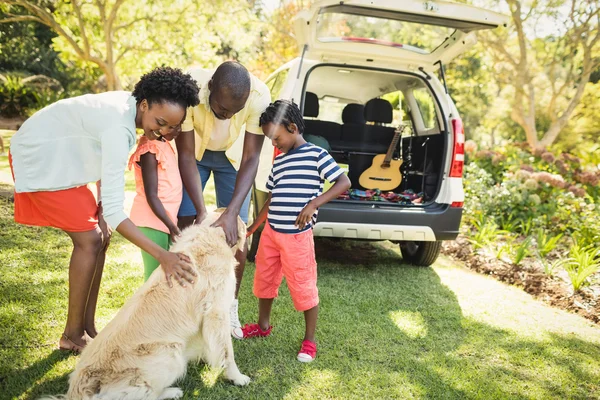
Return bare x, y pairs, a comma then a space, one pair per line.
280, 136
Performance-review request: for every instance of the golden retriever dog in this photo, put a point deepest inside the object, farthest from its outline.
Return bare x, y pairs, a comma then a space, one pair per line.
148, 344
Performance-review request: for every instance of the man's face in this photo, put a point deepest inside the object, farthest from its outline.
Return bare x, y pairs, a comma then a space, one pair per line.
222, 104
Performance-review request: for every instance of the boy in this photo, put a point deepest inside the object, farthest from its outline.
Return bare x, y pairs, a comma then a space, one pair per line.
286, 247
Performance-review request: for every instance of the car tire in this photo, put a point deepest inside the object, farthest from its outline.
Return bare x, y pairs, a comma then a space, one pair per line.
422, 254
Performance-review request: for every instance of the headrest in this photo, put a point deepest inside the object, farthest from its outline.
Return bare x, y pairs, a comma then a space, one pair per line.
353, 113
378, 110
311, 105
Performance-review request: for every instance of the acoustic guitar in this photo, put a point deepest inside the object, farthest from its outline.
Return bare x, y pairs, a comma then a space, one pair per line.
384, 173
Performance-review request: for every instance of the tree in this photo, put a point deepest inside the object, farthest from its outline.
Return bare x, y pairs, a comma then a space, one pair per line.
277, 44
548, 75
125, 37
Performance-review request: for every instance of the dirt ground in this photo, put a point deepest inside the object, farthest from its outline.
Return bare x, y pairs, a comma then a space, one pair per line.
555, 290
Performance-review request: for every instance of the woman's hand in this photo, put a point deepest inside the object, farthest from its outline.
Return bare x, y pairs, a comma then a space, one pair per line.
105, 228
177, 266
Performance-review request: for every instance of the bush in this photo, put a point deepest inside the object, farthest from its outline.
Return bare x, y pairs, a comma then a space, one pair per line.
523, 193
15, 98
22, 96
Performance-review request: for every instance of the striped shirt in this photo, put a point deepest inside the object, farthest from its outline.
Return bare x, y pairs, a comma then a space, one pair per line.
296, 178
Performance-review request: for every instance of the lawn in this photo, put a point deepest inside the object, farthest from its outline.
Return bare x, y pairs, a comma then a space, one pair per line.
386, 330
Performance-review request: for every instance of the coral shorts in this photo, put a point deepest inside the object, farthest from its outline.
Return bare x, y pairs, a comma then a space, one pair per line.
72, 210
292, 256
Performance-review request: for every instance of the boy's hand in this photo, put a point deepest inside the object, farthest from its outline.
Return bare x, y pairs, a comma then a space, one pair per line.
305, 215
252, 228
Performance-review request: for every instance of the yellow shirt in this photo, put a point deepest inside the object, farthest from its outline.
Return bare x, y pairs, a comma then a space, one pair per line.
202, 119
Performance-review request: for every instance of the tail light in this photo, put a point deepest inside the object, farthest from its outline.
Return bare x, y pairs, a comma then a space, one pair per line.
458, 152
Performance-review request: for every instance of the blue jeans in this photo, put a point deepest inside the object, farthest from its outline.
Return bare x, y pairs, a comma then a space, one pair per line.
225, 176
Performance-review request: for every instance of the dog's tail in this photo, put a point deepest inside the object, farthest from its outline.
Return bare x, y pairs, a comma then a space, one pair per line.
57, 397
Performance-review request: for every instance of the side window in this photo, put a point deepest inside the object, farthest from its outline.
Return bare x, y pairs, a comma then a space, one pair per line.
276, 84
426, 105
399, 106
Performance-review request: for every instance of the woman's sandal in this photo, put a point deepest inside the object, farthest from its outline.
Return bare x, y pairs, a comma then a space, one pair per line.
75, 348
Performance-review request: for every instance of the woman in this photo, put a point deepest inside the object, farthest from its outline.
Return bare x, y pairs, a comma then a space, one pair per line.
73, 142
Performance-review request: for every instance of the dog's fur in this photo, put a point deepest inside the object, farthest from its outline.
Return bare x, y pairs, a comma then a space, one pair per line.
148, 344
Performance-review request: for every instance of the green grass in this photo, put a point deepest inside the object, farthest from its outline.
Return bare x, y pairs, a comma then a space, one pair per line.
386, 330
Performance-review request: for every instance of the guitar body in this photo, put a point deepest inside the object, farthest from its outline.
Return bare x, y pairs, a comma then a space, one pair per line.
379, 177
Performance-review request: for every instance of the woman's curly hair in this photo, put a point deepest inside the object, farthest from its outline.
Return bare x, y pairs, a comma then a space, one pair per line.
166, 84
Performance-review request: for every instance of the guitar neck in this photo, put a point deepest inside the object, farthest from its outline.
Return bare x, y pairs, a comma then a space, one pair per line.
390, 152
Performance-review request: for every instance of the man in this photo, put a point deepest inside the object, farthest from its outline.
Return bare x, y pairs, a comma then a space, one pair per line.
230, 99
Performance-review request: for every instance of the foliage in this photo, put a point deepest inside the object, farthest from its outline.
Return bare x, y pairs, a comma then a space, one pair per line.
277, 43
126, 39
486, 232
15, 98
521, 251
546, 242
22, 96
546, 75
26, 48
582, 263
524, 193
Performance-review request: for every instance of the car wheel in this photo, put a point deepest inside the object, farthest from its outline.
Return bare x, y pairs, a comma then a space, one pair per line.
422, 254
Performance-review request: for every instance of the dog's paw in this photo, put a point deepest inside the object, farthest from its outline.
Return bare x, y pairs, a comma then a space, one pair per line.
241, 380
171, 393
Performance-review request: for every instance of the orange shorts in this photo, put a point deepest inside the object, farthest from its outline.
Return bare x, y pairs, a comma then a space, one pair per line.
72, 210
292, 256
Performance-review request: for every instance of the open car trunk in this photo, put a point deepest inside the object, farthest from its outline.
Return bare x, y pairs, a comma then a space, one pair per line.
354, 113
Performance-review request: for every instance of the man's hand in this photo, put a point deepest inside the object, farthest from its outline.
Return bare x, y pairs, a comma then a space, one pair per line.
305, 215
228, 222
177, 266
105, 228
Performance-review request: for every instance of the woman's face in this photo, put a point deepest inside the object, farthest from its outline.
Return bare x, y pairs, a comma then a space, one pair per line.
161, 121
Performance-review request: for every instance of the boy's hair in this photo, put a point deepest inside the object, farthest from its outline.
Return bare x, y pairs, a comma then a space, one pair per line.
166, 84
283, 112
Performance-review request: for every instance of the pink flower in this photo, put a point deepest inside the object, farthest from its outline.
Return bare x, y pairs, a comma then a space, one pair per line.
562, 166
577, 191
571, 158
554, 180
484, 154
548, 157
470, 147
497, 158
526, 167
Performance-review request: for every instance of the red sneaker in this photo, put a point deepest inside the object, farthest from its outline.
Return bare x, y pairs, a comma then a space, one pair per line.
249, 331
308, 351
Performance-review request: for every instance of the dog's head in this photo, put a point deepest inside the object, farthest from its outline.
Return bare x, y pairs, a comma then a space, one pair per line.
212, 217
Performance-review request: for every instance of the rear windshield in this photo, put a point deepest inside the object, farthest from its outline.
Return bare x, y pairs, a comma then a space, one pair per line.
417, 37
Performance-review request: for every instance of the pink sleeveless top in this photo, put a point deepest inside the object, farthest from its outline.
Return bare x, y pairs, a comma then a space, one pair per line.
170, 188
